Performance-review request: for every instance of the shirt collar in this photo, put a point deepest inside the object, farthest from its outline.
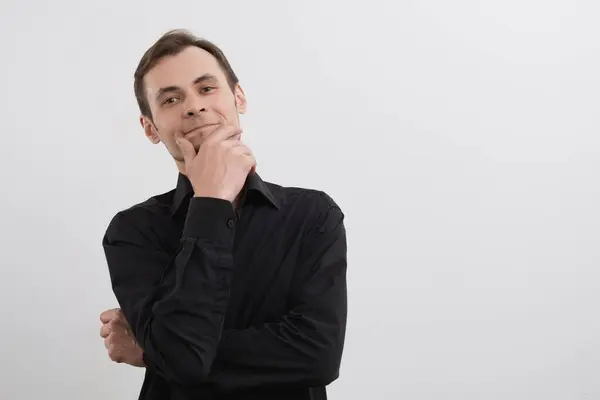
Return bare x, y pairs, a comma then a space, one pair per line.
254, 183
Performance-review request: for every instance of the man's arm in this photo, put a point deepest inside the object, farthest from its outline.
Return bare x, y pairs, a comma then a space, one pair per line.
176, 305
304, 347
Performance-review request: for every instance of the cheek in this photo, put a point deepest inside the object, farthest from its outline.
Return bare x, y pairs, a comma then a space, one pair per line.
168, 128
226, 105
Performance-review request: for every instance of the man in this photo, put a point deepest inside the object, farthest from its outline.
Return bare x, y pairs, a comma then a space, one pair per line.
229, 287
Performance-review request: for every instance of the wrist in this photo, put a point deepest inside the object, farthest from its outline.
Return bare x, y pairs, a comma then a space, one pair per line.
210, 219
212, 195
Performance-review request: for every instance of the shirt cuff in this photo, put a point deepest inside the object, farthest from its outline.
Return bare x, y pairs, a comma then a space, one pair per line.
210, 219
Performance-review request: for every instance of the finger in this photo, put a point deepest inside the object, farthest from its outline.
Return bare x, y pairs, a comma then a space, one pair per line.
245, 153
105, 330
251, 163
108, 340
223, 133
240, 148
116, 356
120, 317
238, 136
230, 144
187, 150
228, 133
109, 315
114, 353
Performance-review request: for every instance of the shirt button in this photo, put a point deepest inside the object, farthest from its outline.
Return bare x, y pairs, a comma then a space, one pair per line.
230, 223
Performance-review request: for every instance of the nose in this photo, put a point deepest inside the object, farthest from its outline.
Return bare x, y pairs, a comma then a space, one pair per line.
194, 111
195, 106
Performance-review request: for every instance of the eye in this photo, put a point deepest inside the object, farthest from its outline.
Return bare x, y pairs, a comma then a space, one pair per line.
207, 89
170, 100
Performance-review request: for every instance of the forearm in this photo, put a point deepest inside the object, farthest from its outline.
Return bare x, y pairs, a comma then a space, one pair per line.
178, 322
283, 354
304, 347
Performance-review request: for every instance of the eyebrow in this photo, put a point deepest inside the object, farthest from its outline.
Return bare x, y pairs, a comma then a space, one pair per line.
200, 79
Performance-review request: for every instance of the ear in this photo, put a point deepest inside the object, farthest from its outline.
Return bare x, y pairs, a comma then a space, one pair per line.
149, 129
240, 99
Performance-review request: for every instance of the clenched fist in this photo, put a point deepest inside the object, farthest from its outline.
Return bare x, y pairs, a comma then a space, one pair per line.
119, 340
222, 163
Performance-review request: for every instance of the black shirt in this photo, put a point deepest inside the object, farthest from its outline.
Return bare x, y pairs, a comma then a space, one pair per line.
226, 304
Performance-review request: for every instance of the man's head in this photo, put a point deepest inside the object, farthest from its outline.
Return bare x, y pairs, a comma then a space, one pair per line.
184, 85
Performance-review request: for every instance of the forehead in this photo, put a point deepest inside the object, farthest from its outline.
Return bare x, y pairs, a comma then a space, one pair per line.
182, 69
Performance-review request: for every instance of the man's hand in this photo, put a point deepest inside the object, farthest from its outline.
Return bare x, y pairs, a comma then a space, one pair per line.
222, 163
119, 340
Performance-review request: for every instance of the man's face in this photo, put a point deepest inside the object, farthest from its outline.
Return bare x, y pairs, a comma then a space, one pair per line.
189, 95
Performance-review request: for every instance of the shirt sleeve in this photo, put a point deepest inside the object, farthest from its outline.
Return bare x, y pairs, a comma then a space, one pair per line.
304, 347
175, 305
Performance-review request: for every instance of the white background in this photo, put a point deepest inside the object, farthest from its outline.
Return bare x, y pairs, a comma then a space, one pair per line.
459, 137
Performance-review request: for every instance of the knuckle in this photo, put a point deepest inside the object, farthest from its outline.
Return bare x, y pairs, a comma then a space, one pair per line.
115, 356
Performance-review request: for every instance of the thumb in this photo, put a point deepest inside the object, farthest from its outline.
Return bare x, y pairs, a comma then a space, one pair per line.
108, 315
187, 150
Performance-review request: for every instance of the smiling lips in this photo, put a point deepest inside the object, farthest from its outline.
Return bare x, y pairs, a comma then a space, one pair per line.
198, 128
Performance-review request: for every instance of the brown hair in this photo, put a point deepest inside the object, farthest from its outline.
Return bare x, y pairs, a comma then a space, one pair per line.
169, 44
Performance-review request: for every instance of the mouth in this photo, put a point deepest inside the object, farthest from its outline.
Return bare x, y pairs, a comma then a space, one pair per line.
199, 129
